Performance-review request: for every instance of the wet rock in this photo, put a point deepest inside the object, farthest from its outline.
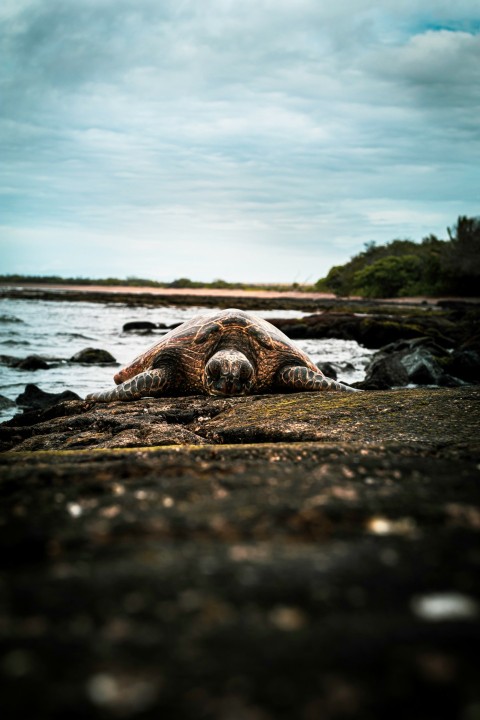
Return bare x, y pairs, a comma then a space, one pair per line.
93, 356
384, 372
328, 369
35, 398
371, 331
8, 360
422, 368
6, 403
418, 362
471, 343
139, 325
33, 362
462, 306
464, 364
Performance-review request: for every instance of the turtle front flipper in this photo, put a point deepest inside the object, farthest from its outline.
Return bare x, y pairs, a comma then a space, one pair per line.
150, 383
301, 379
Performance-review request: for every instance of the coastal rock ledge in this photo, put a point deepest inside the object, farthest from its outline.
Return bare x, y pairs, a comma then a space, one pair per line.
413, 416
275, 557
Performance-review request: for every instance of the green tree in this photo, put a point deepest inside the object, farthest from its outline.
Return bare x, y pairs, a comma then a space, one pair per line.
182, 283
389, 277
336, 281
461, 264
403, 267
341, 279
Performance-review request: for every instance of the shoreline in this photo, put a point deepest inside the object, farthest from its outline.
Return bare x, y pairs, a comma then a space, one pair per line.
210, 297
169, 292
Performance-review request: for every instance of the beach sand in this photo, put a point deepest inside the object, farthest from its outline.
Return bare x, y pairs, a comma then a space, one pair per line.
206, 292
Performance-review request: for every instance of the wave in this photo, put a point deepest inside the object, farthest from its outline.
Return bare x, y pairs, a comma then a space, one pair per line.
10, 319
14, 343
74, 335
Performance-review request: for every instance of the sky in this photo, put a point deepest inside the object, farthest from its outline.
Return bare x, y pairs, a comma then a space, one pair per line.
248, 140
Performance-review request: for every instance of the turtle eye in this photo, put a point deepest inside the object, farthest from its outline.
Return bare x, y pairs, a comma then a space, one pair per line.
214, 369
205, 333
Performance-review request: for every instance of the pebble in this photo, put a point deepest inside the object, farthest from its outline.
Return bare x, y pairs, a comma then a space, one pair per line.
74, 509
437, 607
287, 618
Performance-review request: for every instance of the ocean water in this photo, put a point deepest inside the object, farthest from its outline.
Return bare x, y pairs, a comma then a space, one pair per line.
57, 330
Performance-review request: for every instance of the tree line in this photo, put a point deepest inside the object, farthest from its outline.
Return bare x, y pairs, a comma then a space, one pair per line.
182, 282
404, 268
399, 268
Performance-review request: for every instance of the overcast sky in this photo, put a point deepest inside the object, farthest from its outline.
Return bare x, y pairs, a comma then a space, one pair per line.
261, 140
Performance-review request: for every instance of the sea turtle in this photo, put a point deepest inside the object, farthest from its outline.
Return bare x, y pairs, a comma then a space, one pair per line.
230, 352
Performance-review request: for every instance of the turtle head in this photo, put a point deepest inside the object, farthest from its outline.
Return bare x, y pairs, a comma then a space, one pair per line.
228, 372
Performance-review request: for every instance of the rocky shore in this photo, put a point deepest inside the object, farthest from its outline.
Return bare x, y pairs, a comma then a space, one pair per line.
417, 342
243, 299
286, 556
311, 556
155, 297
415, 346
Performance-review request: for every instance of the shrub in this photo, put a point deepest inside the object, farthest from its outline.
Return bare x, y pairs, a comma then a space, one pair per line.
389, 277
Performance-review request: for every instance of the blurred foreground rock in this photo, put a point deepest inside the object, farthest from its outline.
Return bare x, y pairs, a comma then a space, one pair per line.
291, 556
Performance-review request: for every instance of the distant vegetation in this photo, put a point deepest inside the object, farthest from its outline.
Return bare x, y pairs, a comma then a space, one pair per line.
402, 267
143, 282
399, 268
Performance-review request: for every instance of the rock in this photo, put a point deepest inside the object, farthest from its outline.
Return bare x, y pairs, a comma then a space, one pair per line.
410, 345
32, 362
328, 369
371, 331
142, 325
422, 367
465, 364
383, 372
6, 403
297, 417
8, 360
418, 362
93, 356
331, 579
458, 305
35, 398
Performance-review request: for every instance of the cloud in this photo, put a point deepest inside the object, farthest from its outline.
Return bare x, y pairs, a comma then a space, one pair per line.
441, 65
289, 131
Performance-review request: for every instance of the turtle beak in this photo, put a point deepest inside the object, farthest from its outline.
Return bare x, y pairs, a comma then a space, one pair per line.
227, 373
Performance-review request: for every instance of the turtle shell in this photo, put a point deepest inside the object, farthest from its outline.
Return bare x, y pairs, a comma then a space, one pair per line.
187, 348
